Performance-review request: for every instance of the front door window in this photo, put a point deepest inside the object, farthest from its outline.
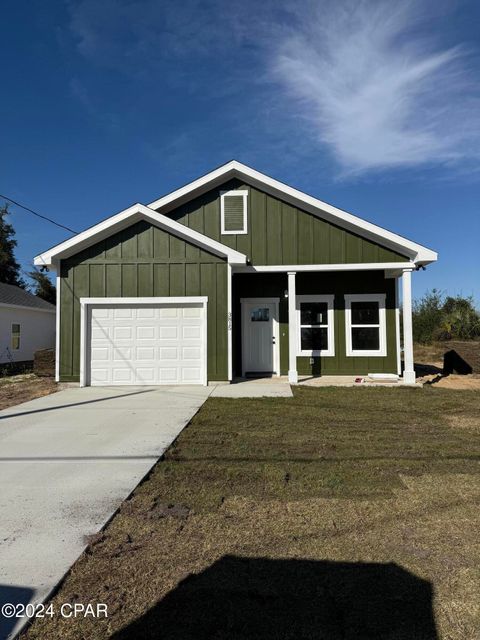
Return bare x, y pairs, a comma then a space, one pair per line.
260, 314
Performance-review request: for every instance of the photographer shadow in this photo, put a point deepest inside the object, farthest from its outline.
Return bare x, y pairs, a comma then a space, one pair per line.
262, 599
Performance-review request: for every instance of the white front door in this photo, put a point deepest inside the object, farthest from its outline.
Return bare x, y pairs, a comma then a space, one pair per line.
259, 334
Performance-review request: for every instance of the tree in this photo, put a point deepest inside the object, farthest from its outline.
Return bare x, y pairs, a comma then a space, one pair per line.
436, 317
427, 316
42, 285
9, 267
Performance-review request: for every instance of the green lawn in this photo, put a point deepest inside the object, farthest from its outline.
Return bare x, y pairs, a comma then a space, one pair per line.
338, 513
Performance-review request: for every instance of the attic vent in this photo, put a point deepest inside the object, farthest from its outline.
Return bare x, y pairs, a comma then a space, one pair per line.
233, 205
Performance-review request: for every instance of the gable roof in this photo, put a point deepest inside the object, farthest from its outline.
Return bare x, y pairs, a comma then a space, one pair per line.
13, 296
417, 253
123, 220
157, 213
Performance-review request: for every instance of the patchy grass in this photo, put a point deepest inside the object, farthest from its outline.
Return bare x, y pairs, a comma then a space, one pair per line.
338, 513
22, 388
430, 354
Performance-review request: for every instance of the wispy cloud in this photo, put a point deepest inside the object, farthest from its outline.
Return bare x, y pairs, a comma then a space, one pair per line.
375, 90
367, 80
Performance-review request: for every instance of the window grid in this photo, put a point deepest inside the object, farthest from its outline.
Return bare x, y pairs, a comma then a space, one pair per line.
328, 325
380, 325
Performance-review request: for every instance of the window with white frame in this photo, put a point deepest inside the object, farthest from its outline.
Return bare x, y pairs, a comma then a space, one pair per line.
15, 337
365, 324
233, 211
315, 317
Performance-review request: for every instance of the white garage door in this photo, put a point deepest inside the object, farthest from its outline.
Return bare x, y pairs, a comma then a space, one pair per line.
147, 344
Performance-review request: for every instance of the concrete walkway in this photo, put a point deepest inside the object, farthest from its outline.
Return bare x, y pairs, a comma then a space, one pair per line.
67, 461
254, 388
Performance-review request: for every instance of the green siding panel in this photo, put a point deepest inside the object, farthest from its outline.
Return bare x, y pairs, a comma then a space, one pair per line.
279, 233
143, 261
161, 280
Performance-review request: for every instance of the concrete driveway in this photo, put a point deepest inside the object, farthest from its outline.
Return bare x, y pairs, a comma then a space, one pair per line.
67, 461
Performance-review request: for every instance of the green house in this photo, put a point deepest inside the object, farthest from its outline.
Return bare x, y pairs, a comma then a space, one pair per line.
233, 275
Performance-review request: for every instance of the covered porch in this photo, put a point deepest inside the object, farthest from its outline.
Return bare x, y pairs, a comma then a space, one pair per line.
321, 321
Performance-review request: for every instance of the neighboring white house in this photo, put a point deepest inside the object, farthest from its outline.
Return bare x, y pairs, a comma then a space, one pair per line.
27, 323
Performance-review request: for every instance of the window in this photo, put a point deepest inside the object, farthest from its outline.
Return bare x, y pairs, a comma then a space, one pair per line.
260, 314
315, 326
365, 324
233, 212
15, 337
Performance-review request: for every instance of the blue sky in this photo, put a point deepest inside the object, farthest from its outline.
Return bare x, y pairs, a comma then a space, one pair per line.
371, 106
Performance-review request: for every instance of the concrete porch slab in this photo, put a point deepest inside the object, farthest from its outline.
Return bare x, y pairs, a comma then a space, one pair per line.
351, 381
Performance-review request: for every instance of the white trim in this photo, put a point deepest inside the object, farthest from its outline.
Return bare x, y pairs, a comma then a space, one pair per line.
85, 307
57, 330
235, 169
408, 363
397, 329
147, 300
354, 266
6, 305
275, 327
292, 329
239, 193
229, 323
123, 220
382, 324
329, 299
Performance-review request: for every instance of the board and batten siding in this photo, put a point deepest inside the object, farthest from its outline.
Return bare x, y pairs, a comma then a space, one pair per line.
143, 261
279, 233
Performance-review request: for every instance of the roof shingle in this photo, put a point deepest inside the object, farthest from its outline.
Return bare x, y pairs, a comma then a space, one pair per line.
15, 296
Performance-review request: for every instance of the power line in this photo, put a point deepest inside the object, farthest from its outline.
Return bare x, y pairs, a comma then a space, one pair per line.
39, 215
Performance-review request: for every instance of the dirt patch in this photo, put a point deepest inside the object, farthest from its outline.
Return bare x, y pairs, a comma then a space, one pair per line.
17, 389
453, 381
470, 424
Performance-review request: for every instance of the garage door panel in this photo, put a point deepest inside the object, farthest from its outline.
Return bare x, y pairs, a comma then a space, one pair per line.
191, 332
100, 353
100, 376
168, 353
122, 333
123, 312
123, 375
191, 353
191, 312
122, 353
146, 312
101, 312
149, 345
190, 374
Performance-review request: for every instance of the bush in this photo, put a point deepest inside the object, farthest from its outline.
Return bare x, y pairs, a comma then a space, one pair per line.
436, 317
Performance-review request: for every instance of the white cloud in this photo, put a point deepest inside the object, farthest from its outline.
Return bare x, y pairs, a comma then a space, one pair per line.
376, 91
367, 79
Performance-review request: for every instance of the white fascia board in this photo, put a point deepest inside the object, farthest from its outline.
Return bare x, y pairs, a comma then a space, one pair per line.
418, 253
367, 266
124, 219
24, 307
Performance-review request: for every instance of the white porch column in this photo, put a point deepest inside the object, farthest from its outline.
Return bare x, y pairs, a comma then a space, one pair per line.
229, 323
292, 329
408, 370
